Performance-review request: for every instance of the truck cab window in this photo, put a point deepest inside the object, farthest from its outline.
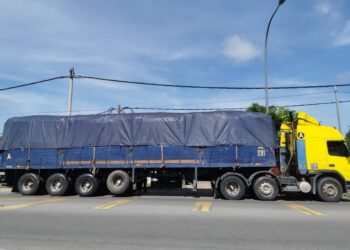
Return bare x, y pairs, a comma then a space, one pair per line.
337, 148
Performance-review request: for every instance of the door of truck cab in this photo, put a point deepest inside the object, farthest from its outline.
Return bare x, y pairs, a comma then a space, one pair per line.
339, 158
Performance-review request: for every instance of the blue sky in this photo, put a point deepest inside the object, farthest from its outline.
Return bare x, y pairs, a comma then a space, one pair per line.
188, 42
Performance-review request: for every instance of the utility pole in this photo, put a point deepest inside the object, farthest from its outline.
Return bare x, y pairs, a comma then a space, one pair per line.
280, 2
119, 109
70, 95
337, 107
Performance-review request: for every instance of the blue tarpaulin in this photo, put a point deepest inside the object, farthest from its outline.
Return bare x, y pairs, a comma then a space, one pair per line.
203, 129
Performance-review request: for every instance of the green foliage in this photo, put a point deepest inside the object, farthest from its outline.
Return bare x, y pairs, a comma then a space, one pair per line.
279, 114
347, 137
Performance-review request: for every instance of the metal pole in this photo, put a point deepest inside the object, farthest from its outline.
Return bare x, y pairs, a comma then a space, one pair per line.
120, 109
337, 107
265, 55
70, 95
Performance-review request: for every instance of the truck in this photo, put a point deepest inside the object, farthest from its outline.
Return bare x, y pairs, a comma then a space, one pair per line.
239, 153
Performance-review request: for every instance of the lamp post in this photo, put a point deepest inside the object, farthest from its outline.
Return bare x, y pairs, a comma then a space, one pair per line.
280, 2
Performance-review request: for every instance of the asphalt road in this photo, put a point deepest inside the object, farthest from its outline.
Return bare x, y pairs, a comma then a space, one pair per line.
170, 220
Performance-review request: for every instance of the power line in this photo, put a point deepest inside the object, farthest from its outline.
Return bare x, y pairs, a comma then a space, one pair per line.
207, 87
52, 112
185, 109
34, 83
312, 104
175, 85
103, 111
259, 98
212, 109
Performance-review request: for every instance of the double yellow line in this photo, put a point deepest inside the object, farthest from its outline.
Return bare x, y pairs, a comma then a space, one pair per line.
303, 209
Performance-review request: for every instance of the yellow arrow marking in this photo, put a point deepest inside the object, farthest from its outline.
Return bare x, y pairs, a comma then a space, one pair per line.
24, 205
202, 206
303, 209
113, 204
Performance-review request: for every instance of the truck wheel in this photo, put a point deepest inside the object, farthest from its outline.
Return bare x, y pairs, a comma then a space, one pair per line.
265, 188
28, 184
86, 185
232, 188
57, 184
118, 182
329, 189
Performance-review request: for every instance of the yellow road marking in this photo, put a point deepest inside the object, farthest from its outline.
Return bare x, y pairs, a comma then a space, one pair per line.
19, 198
24, 205
113, 204
303, 209
202, 206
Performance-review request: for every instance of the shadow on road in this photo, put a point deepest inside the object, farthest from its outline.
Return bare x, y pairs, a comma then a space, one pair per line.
200, 193
173, 192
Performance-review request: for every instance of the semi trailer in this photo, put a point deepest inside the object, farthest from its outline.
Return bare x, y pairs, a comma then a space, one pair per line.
238, 152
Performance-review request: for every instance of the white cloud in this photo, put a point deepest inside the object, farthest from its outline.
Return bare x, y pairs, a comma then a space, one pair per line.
343, 37
323, 8
241, 50
328, 8
343, 77
27, 101
289, 81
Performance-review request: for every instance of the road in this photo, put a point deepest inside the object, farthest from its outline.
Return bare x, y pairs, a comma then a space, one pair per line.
170, 220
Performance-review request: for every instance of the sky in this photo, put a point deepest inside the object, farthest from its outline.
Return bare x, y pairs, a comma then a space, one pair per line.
197, 42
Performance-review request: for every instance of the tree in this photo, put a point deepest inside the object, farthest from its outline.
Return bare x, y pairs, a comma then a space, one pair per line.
347, 137
279, 114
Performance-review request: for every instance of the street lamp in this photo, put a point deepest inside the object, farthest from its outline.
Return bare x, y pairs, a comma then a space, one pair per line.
280, 2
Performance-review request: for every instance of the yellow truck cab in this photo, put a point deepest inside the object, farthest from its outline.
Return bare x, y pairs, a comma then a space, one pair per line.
317, 156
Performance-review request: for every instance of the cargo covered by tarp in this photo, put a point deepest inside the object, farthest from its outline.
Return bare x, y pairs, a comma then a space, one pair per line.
202, 129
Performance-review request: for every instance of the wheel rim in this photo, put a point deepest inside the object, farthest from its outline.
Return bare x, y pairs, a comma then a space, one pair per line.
232, 188
28, 185
117, 182
330, 189
86, 185
266, 188
57, 185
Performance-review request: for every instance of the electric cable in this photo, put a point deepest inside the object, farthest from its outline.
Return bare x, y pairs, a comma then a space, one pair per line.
175, 85
34, 83
208, 87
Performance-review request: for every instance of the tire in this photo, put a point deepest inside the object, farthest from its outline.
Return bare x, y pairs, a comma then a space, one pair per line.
265, 188
118, 182
329, 189
86, 185
57, 184
28, 184
232, 188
